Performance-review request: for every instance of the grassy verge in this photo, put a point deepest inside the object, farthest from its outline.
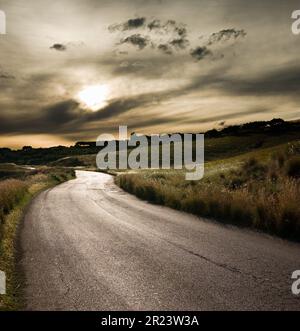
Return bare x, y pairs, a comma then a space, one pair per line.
15, 195
260, 191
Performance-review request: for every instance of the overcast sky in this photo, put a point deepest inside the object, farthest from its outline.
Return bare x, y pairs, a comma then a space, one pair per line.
158, 65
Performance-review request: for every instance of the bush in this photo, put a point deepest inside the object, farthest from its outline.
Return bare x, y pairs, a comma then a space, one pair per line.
69, 162
293, 167
11, 193
252, 169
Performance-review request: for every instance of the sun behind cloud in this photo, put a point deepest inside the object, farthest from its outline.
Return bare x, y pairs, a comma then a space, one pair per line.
94, 97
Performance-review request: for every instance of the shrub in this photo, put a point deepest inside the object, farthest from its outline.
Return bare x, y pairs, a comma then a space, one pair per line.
293, 167
252, 169
11, 193
195, 205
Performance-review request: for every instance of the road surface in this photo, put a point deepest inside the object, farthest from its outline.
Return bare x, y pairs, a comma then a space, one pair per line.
87, 245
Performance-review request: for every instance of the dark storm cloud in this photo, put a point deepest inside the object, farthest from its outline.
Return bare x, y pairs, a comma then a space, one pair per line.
166, 27
7, 80
117, 107
165, 48
230, 115
226, 35
280, 82
181, 30
136, 40
155, 25
5, 75
133, 23
62, 113
283, 81
55, 118
177, 31
59, 47
67, 116
176, 37
200, 53
180, 43
174, 33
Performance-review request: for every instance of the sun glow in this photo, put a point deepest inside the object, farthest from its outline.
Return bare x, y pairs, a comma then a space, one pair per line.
94, 97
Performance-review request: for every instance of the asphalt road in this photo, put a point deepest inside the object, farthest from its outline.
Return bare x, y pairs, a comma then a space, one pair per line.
87, 245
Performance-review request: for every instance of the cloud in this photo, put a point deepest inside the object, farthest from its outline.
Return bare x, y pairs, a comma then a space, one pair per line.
180, 43
230, 115
136, 40
165, 48
282, 81
226, 35
6, 80
155, 25
134, 67
66, 117
54, 118
164, 36
181, 30
169, 26
176, 31
133, 23
172, 36
5, 75
200, 53
147, 66
59, 47
61, 113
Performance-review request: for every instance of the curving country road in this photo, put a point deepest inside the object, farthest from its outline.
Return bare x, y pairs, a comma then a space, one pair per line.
87, 245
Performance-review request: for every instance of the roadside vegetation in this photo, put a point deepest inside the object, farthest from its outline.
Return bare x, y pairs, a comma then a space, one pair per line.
260, 190
220, 144
16, 191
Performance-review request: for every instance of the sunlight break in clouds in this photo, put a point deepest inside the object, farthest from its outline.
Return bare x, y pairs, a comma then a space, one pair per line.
94, 97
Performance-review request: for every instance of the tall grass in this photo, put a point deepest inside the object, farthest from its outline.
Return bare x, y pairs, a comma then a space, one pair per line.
11, 193
263, 196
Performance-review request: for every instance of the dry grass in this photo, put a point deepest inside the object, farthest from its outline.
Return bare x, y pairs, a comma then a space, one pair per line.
263, 196
11, 193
